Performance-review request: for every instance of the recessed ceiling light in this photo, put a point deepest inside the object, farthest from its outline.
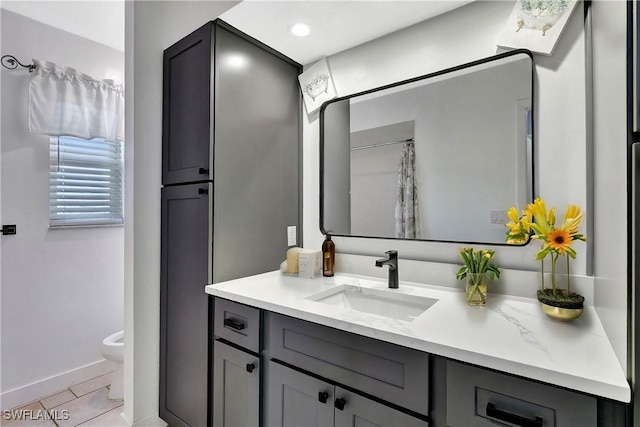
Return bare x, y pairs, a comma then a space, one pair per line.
300, 30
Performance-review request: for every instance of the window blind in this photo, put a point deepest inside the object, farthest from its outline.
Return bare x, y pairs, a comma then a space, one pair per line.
85, 182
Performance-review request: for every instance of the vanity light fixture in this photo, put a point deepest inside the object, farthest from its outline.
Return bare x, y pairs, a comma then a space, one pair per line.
300, 30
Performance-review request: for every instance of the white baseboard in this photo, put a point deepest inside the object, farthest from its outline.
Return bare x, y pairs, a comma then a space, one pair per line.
37, 390
152, 420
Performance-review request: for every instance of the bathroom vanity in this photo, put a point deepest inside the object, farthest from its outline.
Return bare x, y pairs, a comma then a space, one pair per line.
288, 352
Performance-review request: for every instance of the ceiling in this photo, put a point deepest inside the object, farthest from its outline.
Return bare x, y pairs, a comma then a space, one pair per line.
98, 20
335, 25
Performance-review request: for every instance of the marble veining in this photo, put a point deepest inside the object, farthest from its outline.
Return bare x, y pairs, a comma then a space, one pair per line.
510, 334
527, 335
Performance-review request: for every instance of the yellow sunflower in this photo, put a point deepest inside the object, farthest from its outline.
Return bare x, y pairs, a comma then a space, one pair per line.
572, 218
559, 240
542, 222
519, 228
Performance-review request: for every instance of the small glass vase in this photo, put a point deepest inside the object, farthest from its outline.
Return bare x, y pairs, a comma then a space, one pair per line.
476, 288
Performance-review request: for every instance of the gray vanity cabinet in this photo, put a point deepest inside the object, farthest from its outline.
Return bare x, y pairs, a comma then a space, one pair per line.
395, 374
359, 411
298, 399
237, 365
278, 371
478, 397
236, 387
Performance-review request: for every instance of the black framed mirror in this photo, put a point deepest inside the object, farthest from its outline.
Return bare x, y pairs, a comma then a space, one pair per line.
440, 157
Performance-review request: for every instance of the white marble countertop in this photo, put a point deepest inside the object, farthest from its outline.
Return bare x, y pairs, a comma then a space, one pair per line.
510, 334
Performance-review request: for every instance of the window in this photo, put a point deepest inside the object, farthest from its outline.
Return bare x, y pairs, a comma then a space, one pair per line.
85, 182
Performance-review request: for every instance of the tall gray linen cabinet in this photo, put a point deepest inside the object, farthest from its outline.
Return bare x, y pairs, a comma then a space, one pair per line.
231, 187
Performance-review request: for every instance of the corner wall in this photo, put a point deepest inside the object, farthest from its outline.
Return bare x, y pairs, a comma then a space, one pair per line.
610, 157
62, 290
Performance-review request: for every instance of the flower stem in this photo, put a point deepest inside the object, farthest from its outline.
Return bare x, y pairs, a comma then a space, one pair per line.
476, 280
554, 259
568, 277
542, 272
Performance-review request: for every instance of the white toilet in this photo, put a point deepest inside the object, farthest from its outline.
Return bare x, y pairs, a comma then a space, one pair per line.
113, 349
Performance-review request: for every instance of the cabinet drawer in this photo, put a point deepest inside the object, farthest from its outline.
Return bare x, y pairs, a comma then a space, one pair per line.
478, 397
237, 323
396, 374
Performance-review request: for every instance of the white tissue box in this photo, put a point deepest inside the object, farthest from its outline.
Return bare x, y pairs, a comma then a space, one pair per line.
309, 263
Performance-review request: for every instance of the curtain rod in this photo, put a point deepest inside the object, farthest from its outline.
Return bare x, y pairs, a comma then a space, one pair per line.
11, 62
364, 147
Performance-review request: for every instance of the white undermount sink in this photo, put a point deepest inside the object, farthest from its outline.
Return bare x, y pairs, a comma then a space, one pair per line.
387, 303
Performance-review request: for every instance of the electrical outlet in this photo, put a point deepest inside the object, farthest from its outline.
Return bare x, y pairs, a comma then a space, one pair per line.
291, 235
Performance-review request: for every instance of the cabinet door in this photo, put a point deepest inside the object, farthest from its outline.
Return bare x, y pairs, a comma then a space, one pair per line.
236, 387
395, 374
352, 410
296, 399
186, 109
184, 306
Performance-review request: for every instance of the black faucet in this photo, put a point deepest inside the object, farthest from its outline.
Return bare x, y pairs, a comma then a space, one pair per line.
392, 261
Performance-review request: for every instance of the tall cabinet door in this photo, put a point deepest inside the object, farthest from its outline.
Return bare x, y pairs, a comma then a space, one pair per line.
184, 306
186, 109
296, 399
354, 411
256, 156
236, 387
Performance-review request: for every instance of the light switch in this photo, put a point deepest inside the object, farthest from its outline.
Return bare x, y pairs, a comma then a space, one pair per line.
499, 217
291, 235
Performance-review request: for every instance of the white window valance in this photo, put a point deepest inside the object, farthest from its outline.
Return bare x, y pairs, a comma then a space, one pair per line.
65, 102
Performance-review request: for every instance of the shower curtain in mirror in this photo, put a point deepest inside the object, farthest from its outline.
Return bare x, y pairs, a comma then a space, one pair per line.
406, 213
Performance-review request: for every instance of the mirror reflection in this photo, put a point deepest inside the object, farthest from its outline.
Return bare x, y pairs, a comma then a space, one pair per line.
440, 158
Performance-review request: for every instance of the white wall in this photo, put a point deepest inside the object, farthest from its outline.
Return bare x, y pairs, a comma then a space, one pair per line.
561, 147
374, 177
610, 187
151, 27
457, 37
62, 290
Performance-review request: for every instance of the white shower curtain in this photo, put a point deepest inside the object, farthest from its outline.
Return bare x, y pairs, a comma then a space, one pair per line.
406, 213
65, 102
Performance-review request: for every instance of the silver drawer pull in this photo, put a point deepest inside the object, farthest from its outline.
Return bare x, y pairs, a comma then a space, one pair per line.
518, 420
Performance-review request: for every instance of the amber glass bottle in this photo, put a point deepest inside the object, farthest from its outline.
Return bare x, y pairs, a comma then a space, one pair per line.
328, 256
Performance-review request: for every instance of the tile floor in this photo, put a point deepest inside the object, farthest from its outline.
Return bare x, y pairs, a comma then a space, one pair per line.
85, 404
